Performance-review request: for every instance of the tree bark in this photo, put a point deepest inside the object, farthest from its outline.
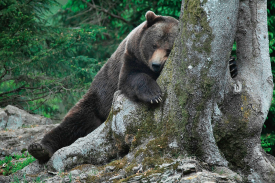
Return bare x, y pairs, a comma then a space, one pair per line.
205, 113
255, 79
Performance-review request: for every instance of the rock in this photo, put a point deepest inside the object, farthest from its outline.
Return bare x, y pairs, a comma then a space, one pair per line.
75, 172
66, 179
53, 179
122, 174
14, 141
137, 169
18, 129
93, 171
109, 169
154, 177
83, 176
4, 179
166, 165
167, 173
206, 176
32, 169
117, 177
136, 178
187, 168
227, 173
12, 118
3, 119
173, 178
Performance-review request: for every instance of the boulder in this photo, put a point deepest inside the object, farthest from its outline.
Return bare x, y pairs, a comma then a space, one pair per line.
16, 141
12, 118
18, 129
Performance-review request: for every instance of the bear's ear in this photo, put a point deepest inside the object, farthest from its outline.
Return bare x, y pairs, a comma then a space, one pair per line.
150, 17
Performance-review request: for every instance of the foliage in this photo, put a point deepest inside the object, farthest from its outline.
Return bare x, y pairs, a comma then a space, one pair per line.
11, 166
271, 27
42, 65
267, 142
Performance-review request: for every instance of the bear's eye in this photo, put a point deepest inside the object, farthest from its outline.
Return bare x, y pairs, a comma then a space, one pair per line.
168, 52
155, 46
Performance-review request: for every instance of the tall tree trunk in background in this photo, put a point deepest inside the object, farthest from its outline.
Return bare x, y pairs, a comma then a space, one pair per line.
205, 113
252, 103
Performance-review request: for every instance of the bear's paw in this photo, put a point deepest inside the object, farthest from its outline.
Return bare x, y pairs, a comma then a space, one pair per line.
40, 152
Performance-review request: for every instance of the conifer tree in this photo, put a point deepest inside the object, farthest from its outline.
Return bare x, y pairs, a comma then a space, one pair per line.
40, 62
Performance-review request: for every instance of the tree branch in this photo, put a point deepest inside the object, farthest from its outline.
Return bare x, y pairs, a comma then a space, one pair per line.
9, 100
105, 11
35, 98
15, 90
79, 14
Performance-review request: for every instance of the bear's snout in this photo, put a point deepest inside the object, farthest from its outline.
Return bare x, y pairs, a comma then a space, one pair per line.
157, 60
156, 67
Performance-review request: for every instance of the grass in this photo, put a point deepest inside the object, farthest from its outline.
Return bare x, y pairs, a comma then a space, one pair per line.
9, 165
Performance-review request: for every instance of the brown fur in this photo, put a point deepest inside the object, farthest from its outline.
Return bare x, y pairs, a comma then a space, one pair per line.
129, 69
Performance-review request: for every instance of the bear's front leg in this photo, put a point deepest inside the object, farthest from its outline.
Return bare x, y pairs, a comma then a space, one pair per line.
141, 87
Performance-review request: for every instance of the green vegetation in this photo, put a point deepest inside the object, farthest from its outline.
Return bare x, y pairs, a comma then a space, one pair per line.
43, 65
10, 165
268, 141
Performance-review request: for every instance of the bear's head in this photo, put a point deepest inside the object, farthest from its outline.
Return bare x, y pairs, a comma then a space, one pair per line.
152, 41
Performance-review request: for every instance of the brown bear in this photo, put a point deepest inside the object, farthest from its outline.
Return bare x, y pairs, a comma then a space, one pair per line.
133, 68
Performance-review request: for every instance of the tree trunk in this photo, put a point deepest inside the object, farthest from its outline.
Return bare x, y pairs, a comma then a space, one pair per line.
256, 88
205, 113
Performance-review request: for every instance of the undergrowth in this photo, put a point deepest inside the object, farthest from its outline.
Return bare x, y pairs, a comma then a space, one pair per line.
267, 142
12, 164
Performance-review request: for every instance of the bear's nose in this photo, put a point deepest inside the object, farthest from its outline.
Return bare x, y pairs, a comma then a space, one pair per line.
156, 67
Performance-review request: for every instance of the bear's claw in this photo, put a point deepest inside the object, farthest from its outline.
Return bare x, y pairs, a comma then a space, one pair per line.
156, 100
39, 152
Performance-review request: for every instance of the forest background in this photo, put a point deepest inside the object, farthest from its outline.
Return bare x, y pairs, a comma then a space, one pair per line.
50, 50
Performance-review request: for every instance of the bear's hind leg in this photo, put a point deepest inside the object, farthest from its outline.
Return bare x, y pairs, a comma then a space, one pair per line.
75, 125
